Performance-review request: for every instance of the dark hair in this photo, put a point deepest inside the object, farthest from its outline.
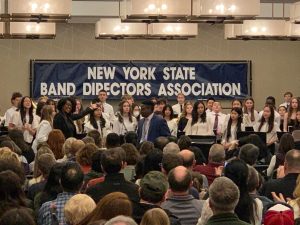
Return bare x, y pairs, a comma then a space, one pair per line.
50, 101
239, 122
131, 137
146, 147
94, 122
286, 144
71, 177
102, 90
196, 116
182, 184
255, 140
63, 101
253, 179
152, 161
210, 99
184, 142
162, 101
52, 187
288, 93
249, 154
112, 140
290, 111
270, 100
132, 154
270, 121
15, 95
23, 111
170, 161
84, 154
252, 109
39, 107
11, 192
96, 161
19, 216
173, 139
237, 171
236, 100
199, 156
171, 110
111, 160
96, 136
120, 115
161, 142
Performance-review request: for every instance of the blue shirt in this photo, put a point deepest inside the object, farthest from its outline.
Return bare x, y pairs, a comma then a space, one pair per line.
45, 217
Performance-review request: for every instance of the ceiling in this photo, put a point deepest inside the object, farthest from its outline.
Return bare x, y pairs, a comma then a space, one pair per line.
278, 1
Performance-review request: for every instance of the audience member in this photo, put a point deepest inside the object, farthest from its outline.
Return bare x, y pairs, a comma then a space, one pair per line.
112, 141
171, 148
184, 142
161, 142
84, 157
155, 216
132, 157
121, 220
56, 141
249, 154
18, 216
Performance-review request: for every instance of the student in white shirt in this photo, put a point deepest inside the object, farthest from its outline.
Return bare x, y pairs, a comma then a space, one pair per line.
209, 104
271, 101
97, 121
168, 115
267, 124
178, 108
199, 124
25, 120
44, 128
217, 118
108, 109
287, 99
125, 122
290, 116
15, 101
79, 124
250, 117
232, 127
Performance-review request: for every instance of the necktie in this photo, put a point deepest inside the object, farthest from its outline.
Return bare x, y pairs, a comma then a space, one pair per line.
215, 128
181, 108
144, 130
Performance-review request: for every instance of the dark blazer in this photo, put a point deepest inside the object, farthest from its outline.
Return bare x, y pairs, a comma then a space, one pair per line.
65, 122
285, 185
158, 128
114, 183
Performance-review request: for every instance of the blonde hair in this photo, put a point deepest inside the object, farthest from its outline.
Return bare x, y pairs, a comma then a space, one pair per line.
296, 193
67, 146
78, 207
42, 150
155, 216
7, 154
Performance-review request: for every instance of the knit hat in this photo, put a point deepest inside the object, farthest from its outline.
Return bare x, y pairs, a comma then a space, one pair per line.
154, 183
279, 214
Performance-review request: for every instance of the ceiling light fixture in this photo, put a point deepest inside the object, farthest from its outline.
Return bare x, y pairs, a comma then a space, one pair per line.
39, 10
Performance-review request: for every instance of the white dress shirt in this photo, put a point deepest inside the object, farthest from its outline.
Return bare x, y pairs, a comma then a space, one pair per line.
199, 128
176, 109
276, 115
109, 110
42, 133
17, 122
103, 132
233, 132
247, 119
145, 128
9, 114
172, 124
123, 128
272, 136
221, 120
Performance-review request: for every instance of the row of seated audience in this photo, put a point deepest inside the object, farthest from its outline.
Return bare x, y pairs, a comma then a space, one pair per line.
61, 164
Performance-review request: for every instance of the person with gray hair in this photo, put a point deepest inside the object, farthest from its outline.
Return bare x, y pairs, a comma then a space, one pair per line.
171, 148
223, 198
216, 159
121, 220
249, 154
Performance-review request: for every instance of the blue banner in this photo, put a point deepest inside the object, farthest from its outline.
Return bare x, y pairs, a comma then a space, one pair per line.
141, 79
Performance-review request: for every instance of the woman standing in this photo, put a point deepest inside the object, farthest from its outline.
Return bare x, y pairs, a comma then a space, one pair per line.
233, 126
168, 115
125, 121
198, 124
79, 124
268, 125
251, 116
44, 128
25, 120
98, 122
290, 116
185, 116
63, 120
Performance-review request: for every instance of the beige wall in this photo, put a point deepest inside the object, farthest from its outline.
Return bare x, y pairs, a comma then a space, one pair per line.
275, 64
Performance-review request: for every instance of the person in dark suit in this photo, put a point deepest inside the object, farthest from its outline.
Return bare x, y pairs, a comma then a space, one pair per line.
112, 161
151, 126
287, 184
63, 120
